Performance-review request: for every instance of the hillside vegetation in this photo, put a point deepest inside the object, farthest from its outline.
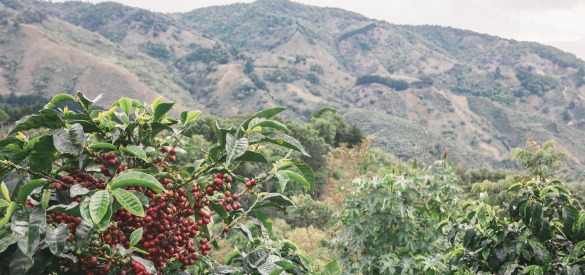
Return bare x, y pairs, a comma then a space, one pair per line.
420, 90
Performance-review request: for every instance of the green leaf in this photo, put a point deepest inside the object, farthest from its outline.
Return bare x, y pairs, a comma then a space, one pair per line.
135, 178
161, 110
305, 170
58, 99
126, 105
246, 231
143, 199
135, 236
268, 113
105, 222
577, 249
5, 192
262, 122
536, 213
11, 208
56, 237
332, 268
20, 263
284, 176
219, 210
26, 189
105, 146
7, 241
43, 154
69, 141
234, 148
252, 157
45, 198
129, 201
481, 215
278, 198
514, 187
83, 233
136, 151
48, 119
286, 141
85, 102
189, 117
265, 220
98, 205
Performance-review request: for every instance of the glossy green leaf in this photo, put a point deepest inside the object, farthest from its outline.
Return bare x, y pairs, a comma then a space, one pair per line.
87, 103
332, 268
11, 208
136, 236
286, 141
219, 210
20, 263
83, 233
26, 189
103, 146
161, 110
189, 117
265, 220
285, 175
58, 99
98, 205
45, 198
246, 231
129, 201
577, 249
268, 113
56, 238
306, 171
234, 148
136, 151
5, 192
280, 199
7, 241
252, 157
43, 154
264, 123
135, 178
49, 119
69, 141
125, 105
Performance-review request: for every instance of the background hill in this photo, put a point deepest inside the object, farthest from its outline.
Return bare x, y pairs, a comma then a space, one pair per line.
420, 89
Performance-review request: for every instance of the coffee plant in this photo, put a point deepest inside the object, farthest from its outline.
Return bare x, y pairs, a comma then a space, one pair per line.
541, 231
102, 192
392, 224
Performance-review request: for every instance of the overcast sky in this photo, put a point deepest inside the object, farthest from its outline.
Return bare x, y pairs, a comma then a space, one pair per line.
560, 23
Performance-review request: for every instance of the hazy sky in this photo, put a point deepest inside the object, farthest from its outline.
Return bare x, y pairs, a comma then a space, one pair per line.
560, 23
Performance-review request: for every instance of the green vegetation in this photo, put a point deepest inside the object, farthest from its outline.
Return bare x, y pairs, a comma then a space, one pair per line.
397, 85
102, 191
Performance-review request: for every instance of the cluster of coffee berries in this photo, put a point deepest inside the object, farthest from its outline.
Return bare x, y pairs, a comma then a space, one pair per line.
55, 217
229, 203
106, 160
250, 183
172, 153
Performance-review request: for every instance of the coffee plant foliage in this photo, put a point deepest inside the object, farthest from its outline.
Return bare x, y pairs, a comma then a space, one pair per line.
105, 192
391, 224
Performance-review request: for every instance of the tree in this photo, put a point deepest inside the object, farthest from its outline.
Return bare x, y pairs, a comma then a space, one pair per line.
102, 191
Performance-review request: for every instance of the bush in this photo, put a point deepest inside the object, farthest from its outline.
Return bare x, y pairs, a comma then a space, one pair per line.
102, 191
397, 85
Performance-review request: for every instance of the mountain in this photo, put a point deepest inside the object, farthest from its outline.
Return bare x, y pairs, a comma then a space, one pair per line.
420, 89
